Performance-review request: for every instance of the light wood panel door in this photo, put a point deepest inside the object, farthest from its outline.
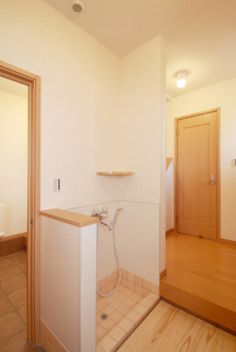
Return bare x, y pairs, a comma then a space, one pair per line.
197, 175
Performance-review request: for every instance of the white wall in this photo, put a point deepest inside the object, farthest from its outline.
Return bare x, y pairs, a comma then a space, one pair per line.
141, 127
136, 145
79, 79
219, 95
14, 161
98, 111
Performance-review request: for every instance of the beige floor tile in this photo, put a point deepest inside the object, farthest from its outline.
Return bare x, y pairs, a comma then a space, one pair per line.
152, 297
5, 306
107, 309
99, 349
18, 298
121, 298
4, 262
100, 308
10, 325
148, 303
115, 304
23, 313
16, 344
126, 324
116, 316
19, 257
141, 309
101, 332
117, 333
7, 272
134, 296
129, 302
123, 309
23, 267
124, 291
134, 316
107, 300
14, 283
125, 348
101, 302
107, 343
107, 324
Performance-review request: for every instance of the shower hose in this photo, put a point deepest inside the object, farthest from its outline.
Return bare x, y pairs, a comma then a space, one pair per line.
117, 265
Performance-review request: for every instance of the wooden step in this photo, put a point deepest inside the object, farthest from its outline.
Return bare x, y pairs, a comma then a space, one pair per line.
211, 311
201, 278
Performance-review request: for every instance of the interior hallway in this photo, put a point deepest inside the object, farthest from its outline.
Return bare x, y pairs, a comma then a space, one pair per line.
201, 277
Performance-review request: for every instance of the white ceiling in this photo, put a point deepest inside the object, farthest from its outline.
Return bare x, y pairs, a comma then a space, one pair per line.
200, 34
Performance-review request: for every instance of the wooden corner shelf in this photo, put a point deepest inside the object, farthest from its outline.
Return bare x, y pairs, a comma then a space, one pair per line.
115, 173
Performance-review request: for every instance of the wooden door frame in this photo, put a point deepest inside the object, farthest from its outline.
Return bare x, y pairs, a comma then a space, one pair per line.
33, 83
218, 184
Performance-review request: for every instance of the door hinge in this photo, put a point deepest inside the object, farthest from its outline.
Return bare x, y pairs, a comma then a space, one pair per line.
177, 131
31, 222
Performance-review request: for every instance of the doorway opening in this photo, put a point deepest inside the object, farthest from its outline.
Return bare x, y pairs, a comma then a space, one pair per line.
199, 272
27, 165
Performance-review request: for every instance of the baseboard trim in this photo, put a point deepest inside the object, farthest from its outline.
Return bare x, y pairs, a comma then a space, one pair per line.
163, 273
6, 238
49, 341
169, 231
12, 244
228, 241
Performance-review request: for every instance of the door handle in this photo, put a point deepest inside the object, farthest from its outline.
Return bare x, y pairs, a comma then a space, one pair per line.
213, 179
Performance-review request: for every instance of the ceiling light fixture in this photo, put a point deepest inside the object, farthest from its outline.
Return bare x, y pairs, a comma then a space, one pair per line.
77, 6
181, 79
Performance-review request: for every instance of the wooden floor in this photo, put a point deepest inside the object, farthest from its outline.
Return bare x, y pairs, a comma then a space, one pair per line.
201, 277
169, 329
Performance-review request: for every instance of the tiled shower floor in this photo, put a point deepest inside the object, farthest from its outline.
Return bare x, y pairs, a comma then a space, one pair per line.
123, 312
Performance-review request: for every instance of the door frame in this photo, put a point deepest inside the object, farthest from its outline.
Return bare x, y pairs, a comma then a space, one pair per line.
218, 184
33, 83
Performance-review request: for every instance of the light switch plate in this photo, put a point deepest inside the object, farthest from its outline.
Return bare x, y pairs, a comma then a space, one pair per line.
233, 162
56, 184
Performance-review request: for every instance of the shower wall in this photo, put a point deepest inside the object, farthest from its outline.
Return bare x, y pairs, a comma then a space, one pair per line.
137, 241
132, 139
105, 257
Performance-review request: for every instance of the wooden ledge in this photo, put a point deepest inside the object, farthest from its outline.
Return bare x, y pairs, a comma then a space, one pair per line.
115, 173
68, 217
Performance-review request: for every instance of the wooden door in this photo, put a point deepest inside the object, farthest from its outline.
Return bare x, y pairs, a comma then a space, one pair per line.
197, 175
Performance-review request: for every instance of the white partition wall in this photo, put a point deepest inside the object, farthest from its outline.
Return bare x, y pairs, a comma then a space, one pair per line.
68, 286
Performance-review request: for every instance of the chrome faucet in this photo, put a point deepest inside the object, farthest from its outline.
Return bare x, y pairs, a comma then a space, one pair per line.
101, 214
